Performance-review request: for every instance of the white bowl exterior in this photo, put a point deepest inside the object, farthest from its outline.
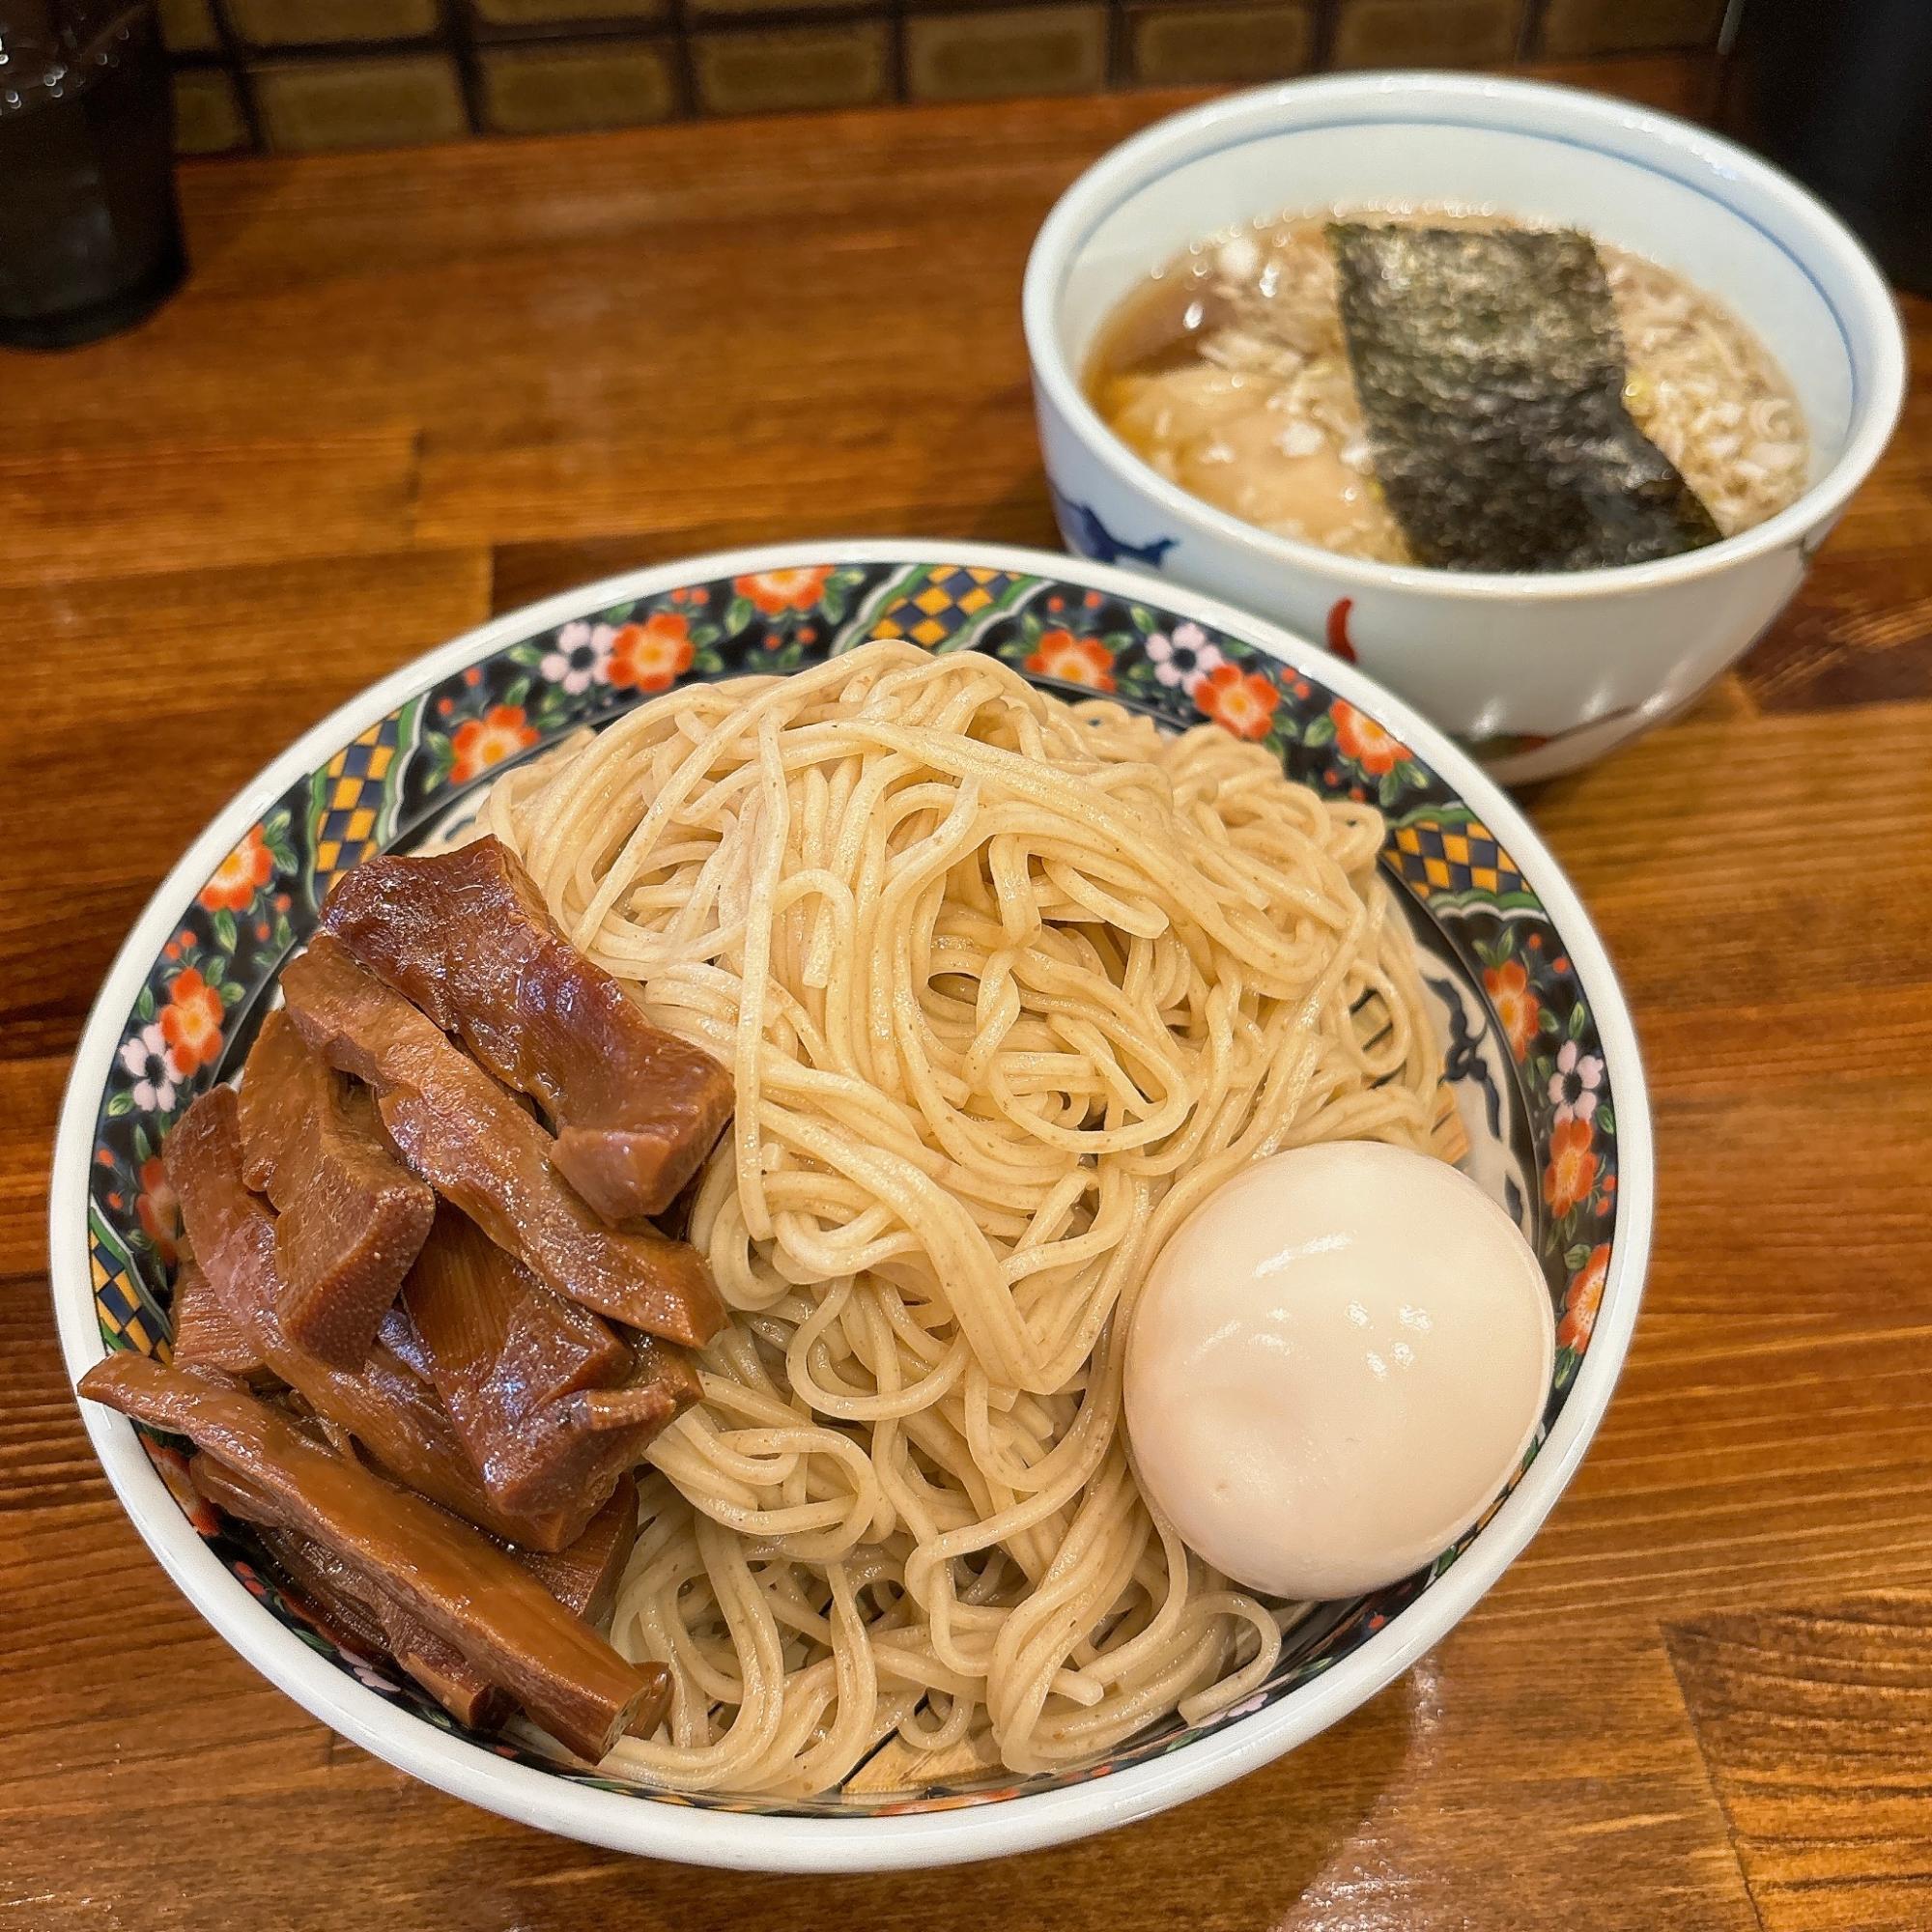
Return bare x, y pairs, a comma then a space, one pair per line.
757, 1842
1482, 669
1484, 656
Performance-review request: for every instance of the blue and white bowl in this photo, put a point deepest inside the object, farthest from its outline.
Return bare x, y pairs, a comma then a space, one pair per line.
1536, 674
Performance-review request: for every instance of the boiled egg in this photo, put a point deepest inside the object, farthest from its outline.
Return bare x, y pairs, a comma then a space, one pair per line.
1334, 1366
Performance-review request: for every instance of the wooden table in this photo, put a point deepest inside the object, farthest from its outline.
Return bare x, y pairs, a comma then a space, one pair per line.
401, 391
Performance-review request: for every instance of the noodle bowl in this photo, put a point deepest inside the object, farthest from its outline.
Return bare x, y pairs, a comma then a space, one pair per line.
1007, 987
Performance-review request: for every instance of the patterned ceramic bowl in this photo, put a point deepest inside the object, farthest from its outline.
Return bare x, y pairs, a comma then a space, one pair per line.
1541, 1057
1534, 673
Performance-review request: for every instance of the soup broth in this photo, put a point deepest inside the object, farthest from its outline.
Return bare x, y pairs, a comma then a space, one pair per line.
1238, 373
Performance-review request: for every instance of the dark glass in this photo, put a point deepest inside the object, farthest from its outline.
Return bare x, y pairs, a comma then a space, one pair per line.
1840, 95
90, 235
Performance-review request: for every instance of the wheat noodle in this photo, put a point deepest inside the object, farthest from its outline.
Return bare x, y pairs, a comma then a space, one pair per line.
1008, 987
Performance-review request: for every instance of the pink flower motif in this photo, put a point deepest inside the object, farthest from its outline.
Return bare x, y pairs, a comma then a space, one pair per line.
1246, 1707
1575, 1084
149, 1058
580, 657
1184, 659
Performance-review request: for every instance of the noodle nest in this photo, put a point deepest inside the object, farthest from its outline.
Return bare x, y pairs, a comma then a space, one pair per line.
1008, 987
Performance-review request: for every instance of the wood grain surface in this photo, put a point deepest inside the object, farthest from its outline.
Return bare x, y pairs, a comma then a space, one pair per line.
401, 391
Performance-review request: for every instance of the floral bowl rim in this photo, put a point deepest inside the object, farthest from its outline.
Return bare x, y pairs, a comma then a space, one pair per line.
1013, 1822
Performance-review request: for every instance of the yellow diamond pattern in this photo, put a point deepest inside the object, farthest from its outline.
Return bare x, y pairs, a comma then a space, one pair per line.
1456, 858
353, 793
950, 596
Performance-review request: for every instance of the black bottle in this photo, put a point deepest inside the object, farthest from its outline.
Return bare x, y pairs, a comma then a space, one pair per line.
90, 235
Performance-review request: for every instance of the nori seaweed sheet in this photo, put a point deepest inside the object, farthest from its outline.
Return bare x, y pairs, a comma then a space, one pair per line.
1491, 372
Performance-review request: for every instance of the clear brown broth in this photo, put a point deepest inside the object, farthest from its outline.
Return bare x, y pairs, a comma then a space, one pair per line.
1227, 372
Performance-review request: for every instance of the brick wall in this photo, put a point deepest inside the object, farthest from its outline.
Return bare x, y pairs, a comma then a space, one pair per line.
294, 74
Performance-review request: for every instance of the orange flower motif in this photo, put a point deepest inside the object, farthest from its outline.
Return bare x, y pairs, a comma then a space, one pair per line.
1365, 741
1239, 701
159, 1209
171, 1466
1572, 1172
1074, 660
651, 656
1579, 1305
776, 590
240, 875
1517, 1006
482, 742
191, 1021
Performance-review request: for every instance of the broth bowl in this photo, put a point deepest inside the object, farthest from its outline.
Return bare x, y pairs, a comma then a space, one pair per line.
1535, 674
1522, 998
